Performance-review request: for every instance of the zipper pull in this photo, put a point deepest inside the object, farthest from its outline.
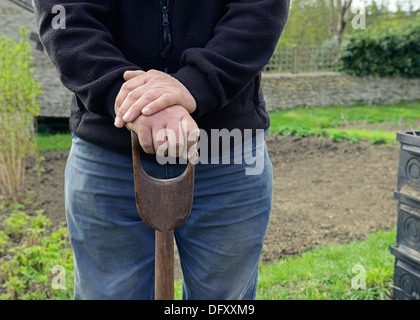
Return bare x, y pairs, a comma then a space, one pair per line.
165, 16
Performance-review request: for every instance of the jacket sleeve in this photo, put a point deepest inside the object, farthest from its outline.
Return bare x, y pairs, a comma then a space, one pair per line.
84, 55
243, 43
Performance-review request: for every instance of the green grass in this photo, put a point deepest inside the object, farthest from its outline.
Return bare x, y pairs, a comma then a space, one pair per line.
327, 273
376, 123
54, 142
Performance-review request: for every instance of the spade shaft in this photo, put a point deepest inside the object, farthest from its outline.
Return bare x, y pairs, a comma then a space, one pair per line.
164, 205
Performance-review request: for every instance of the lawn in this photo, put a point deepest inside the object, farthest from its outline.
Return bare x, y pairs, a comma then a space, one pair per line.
376, 123
54, 142
357, 270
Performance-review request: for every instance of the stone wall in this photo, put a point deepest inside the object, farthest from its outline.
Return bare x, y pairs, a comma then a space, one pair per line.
55, 100
286, 91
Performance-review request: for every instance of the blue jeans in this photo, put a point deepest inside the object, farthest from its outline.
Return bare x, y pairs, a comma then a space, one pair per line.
219, 245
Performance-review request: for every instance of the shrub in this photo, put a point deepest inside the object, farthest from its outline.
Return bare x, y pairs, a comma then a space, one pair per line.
18, 108
394, 53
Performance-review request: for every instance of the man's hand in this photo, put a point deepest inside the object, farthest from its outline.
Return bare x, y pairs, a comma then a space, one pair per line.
148, 93
171, 132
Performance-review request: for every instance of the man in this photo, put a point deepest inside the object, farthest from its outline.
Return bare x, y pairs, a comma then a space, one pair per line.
149, 66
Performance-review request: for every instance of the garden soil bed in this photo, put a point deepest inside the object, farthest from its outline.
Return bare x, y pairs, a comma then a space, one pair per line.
324, 192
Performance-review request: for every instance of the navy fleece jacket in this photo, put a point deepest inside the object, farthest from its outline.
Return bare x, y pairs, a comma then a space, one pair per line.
216, 49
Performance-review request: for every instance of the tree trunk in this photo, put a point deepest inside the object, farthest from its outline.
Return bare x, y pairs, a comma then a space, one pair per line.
342, 11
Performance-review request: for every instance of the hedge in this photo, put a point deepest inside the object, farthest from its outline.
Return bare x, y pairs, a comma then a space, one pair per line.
394, 53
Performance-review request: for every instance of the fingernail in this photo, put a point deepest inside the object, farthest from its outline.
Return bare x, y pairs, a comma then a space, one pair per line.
127, 117
118, 122
145, 110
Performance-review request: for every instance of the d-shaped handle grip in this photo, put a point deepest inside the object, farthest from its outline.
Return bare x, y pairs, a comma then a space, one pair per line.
163, 204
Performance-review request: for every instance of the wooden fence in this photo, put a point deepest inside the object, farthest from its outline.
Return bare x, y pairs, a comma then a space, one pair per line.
25, 4
297, 59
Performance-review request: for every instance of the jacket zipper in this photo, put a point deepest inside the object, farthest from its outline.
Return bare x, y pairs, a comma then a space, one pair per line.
167, 37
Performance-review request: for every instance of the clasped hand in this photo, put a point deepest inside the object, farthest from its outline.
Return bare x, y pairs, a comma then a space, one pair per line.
157, 107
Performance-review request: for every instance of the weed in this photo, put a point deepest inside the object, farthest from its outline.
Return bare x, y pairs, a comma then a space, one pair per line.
378, 140
15, 223
339, 136
31, 251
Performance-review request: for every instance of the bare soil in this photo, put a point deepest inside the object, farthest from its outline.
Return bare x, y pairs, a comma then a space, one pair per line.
324, 192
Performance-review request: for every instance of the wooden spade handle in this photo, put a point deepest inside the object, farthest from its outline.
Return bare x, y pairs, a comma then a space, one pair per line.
163, 204
164, 265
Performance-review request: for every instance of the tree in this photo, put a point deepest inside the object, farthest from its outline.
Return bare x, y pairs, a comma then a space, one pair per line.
339, 16
316, 22
311, 22
306, 25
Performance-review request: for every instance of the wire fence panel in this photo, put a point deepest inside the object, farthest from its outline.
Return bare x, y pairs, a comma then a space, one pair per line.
297, 59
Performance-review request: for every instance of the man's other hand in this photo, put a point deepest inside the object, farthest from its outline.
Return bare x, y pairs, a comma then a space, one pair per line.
171, 131
148, 93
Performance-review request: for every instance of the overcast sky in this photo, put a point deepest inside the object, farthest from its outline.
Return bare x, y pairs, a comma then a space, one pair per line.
392, 4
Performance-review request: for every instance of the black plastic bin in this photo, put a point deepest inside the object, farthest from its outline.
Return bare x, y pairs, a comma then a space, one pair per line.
407, 249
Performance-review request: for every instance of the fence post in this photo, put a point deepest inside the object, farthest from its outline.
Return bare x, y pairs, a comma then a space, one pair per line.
294, 58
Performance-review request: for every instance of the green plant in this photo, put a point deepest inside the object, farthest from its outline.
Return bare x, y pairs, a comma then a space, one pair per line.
18, 108
339, 136
378, 140
28, 272
4, 240
14, 225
